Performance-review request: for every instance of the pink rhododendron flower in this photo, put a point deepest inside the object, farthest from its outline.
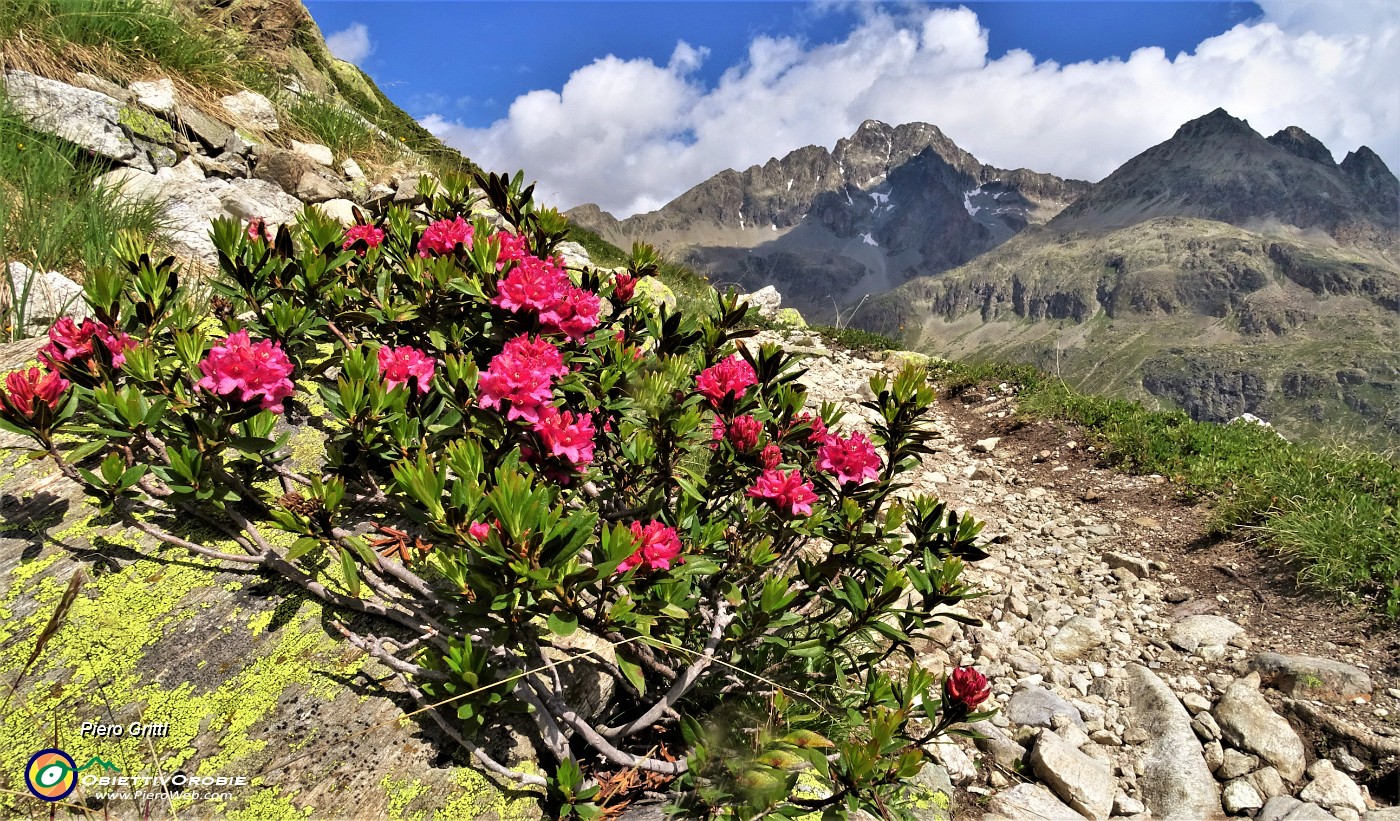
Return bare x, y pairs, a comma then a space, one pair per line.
26, 390
731, 375
566, 436
443, 236
624, 286
660, 546
514, 248
771, 456
398, 364
248, 371
522, 373
786, 491
259, 230
73, 342
743, 433
819, 432
373, 237
479, 531
532, 285
575, 314
850, 460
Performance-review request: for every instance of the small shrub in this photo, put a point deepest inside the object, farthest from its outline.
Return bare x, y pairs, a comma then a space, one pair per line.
539, 467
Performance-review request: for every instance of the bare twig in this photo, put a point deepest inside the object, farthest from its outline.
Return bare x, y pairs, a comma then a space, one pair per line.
683, 683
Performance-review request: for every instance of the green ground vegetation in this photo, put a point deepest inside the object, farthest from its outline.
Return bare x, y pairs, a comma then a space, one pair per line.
51, 215
1334, 512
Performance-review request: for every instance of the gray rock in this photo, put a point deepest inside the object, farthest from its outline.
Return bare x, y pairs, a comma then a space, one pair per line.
342, 211
1076, 638
378, 193
191, 203
48, 296
1312, 678
1237, 764
1383, 814
1214, 754
986, 445
213, 134
1080, 781
352, 170
319, 185
1268, 782
1025, 801
1139, 567
86, 118
227, 165
1197, 631
1248, 722
1123, 804
999, 746
406, 191
282, 167
319, 154
1035, 706
1277, 808
1332, 789
1175, 782
160, 156
575, 255
1205, 727
157, 95
101, 85
767, 300
1240, 796
252, 109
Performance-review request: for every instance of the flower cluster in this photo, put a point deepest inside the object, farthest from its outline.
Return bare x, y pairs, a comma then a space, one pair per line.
522, 374
624, 286
514, 248
542, 286
965, 689
259, 230
72, 342
731, 375
565, 436
25, 391
852, 459
371, 236
660, 546
443, 237
248, 371
786, 491
742, 432
398, 365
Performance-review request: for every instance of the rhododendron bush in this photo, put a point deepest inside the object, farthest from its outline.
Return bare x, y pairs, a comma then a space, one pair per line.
517, 453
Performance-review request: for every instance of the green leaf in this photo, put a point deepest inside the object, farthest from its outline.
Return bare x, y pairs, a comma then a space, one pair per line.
633, 672
351, 571
563, 624
301, 547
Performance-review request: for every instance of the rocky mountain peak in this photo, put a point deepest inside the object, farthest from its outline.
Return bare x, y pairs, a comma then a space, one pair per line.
1215, 124
1371, 177
1298, 142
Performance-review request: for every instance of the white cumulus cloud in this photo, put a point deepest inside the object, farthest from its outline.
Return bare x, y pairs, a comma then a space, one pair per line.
351, 44
631, 135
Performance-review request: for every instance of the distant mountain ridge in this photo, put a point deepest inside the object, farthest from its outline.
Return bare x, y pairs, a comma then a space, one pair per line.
827, 226
1216, 167
1218, 271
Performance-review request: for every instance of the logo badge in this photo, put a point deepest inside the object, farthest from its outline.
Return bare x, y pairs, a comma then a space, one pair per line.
51, 774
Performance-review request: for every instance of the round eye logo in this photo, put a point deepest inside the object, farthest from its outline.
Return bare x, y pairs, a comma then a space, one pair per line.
51, 774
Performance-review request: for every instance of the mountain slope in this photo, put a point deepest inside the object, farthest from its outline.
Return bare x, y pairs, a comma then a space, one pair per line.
827, 227
1220, 271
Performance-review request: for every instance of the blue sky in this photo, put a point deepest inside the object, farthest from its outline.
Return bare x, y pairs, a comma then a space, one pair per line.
630, 103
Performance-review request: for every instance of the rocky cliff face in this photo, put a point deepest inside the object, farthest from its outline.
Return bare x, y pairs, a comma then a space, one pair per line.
827, 227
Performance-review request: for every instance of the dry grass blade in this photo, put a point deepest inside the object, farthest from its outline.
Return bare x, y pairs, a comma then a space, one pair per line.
46, 635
